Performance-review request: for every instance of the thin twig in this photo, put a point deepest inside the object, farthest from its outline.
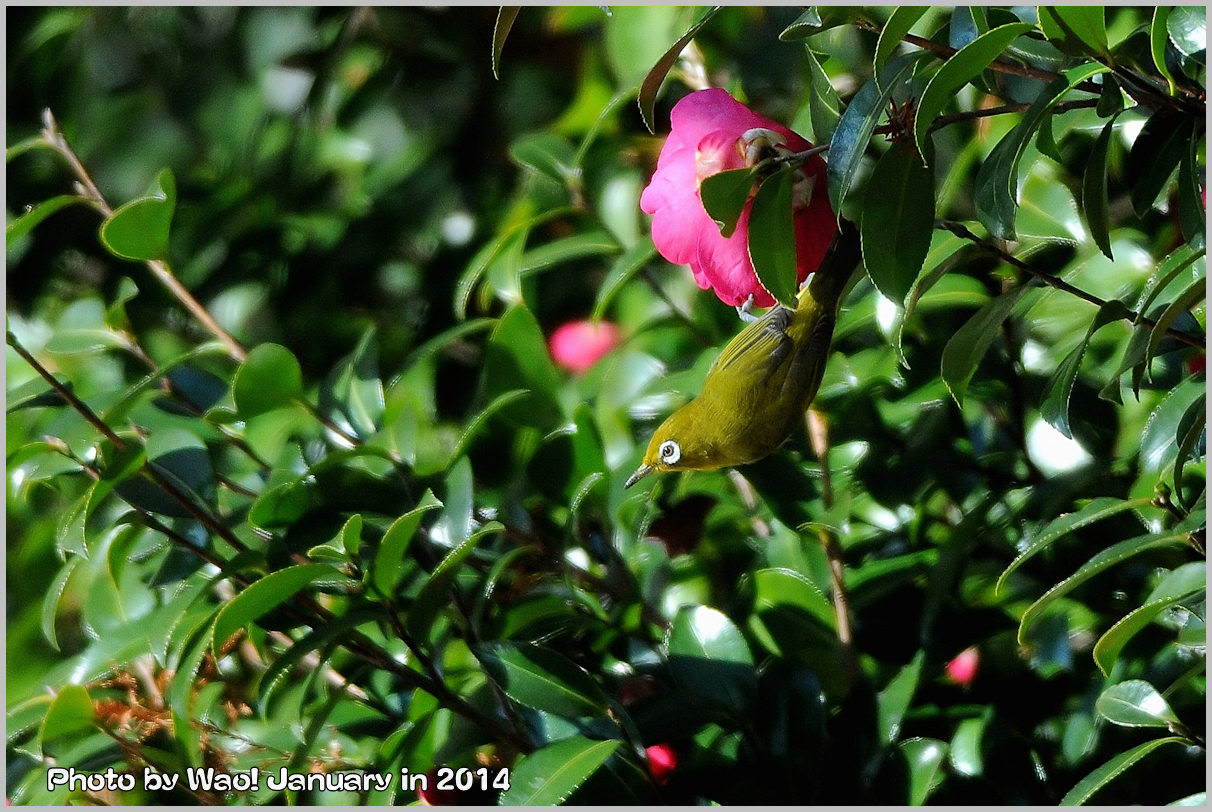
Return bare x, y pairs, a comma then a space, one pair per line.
967, 115
960, 230
160, 269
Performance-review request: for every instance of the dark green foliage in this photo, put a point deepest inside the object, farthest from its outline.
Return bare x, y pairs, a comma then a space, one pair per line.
295, 482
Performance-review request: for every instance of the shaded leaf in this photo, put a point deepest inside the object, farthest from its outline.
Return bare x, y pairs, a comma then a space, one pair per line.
70, 712
1078, 29
898, 25
1185, 584
549, 775
265, 595
631, 262
893, 702
925, 757
434, 596
772, 237
269, 378
1159, 37
1055, 404
708, 656
968, 346
542, 679
1095, 202
824, 106
652, 82
500, 32
725, 195
1155, 156
898, 218
387, 567
546, 153
34, 215
1105, 774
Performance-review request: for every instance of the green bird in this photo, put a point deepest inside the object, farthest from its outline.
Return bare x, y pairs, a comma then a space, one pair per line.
759, 387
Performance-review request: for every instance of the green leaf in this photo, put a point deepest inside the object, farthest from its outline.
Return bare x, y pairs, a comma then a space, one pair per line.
652, 82
354, 388
725, 195
70, 712
1135, 703
858, 122
539, 678
1159, 37
1111, 770
824, 106
1191, 430
965, 349
893, 702
1110, 98
516, 357
1080, 30
594, 243
321, 638
1188, 29
24, 224
631, 262
925, 757
1191, 212
1054, 407
898, 25
1163, 429
996, 196
963, 66
53, 597
1155, 156
434, 597
548, 776
389, 557
1193, 295
265, 595
709, 657
268, 379
500, 32
139, 229
772, 237
546, 153
965, 753
1167, 271
897, 221
1104, 559
1095, 201
817, 19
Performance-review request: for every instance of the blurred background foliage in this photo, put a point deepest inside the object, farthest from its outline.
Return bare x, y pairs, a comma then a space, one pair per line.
384, 529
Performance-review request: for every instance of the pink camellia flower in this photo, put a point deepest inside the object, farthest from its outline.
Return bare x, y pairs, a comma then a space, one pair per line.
662, 760
963, 667
712, 132
577, 345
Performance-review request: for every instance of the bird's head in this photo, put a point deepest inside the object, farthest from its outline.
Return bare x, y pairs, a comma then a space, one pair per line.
680, 444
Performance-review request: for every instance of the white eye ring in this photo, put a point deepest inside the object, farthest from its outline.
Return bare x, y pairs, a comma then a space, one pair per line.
670, 452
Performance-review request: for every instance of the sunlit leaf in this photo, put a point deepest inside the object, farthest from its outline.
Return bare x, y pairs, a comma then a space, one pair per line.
1187, 583
139, 229
898, 218
772, 237
652, 82
1112, 769
551, 774
543, 679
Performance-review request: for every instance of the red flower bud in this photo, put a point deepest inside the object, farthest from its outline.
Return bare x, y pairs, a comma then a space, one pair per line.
962, 669
662, 760
577, 345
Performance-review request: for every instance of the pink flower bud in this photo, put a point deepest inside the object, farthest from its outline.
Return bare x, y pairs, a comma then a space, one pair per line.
662, 760
712, 132
577, 345
963, 667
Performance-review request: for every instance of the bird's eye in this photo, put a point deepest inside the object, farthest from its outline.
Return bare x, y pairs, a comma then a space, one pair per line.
670, 452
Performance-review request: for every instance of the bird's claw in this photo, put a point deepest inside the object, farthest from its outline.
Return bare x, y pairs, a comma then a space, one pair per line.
745, 311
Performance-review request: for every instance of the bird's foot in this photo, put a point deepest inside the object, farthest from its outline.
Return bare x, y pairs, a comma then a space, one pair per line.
745, 311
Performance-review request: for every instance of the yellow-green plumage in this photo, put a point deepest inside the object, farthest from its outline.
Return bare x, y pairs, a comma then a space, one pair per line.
757, 390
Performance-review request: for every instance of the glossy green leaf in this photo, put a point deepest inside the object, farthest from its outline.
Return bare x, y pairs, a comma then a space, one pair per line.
898, 221
139, 229
816, 19
500, 32
1155, 156
627, 265
709, 657
1195, 293
898, 25
1162, 432
265, 595
321, 639
1055, 404
652, 82
1191, 211
1192, 429
1186, 584
1076, 29
25, 223
1096, 204
1135, 703
1159, 37
551, 774
1188, 29
434, 597
540, 678
824, 106
725, 195
1104, 559
553, 253
54, 596
1096, 510
961, 68
894, 701
269, 378
1168, 270
1112, 769
965, 349
996, 196
546, 153
858, 122
354, 388
772, 237
1110, 97
925, 758
70, 712
516, 357
966, 751
389, 556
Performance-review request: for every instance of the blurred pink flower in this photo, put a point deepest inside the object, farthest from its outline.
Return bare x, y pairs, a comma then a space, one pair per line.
662, 760
963, 667
577, 345
711, 132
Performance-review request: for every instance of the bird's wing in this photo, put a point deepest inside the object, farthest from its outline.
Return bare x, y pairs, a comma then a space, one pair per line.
762, 346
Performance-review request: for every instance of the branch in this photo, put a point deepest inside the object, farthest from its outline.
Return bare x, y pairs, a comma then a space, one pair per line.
960, 230
57, 141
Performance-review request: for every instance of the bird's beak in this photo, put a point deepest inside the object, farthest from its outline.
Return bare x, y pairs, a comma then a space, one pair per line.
640, 473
